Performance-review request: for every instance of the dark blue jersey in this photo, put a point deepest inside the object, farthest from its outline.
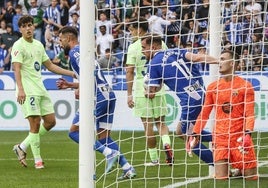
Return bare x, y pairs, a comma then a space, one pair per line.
178, 73
103, 90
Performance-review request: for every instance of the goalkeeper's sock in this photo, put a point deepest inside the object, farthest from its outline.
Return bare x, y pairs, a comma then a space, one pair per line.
35, 146
26, 143
153, 154
74, 136
165, 140
113, 145
42, 130
203, 153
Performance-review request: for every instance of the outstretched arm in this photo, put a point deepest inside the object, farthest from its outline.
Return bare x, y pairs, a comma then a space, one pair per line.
201, 58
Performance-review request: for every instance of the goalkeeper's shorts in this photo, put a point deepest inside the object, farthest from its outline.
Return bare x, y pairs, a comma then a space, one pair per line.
222, 151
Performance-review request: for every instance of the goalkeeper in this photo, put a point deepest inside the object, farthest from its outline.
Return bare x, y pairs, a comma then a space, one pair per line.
174, 67
105, 105
232, 98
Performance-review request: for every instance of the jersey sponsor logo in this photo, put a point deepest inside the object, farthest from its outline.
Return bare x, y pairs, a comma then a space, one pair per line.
16, 53
37, 66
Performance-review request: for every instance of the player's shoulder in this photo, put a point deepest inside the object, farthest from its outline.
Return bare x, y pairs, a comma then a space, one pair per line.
242, 81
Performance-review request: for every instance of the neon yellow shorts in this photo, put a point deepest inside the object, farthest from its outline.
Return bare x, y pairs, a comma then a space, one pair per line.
150, 108
37, 105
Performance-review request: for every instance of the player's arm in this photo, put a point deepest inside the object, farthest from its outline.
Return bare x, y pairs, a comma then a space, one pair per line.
249, 108
21, 94
64, 84
58, 70
201, 58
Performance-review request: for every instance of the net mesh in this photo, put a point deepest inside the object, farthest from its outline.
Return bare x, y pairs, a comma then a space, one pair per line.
182, 24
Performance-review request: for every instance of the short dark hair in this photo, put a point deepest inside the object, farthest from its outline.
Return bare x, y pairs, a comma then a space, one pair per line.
25, 19
233, 55
152, 39
141, 23
70, 30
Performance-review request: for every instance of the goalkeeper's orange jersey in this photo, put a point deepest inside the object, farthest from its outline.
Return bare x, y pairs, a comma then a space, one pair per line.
233, 102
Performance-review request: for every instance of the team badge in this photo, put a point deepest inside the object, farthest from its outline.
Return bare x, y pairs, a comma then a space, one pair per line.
37, 66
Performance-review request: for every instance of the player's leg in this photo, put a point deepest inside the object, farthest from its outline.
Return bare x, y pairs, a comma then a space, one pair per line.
159, 108
164, 134
221, 169
221, 153
144, 109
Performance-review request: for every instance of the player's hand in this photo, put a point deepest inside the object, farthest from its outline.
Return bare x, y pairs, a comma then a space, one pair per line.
191, 142
62, 83
244, 143
130, 101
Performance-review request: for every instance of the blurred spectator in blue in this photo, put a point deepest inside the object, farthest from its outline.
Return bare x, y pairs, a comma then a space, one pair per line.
202, 15
233, 30
37, 13
51, 17
74, 22
4, 57
108, 61
7, 12
15, 19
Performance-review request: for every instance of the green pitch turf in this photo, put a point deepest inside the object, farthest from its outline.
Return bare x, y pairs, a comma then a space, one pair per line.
60, 155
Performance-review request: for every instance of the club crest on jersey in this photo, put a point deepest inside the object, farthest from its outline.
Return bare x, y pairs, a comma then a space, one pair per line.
235, 93
37, 66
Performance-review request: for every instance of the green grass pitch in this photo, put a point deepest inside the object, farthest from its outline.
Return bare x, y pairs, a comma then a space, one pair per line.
60, 155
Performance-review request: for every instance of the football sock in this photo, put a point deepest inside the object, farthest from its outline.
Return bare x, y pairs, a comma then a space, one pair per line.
25, 143
165, 140
42, 130
203, 153
35, 146
153, 154
113, 145
206, 136
74, 136
102, 149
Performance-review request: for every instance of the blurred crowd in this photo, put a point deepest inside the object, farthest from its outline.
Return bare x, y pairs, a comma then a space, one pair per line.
181, 23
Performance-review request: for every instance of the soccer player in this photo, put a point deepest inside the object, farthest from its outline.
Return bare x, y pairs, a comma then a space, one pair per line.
151, 111
105, 106
232, 99
174, 67
28, 55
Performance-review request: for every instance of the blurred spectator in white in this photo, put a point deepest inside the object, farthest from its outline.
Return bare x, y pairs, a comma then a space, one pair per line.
227, 9
203, 40
257, 44
51, 17
103, 20
55, 41
202, 15
74, 23
233, 30
191, 34
74, 8
3, 27
255, 9
7, 12
108, 61
156, 23
15, 20
37, 13
103, 41
4, 57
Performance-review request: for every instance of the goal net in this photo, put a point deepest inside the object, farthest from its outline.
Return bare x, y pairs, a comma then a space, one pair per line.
201, 27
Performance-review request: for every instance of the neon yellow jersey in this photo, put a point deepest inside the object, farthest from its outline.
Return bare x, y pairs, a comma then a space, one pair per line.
31, 56
136, 58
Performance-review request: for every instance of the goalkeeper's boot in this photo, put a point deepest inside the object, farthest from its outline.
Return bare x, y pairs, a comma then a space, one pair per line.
111, 159
169, 155
128, 174
20, 154
39, 165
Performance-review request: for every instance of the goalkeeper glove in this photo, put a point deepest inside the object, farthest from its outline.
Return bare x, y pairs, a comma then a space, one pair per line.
245, 142
191, 142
